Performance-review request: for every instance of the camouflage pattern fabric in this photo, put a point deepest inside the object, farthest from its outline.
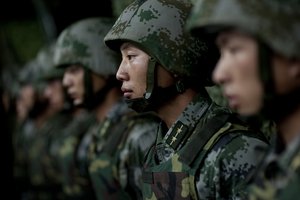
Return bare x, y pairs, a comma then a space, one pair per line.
254, 17
267, 127
23, 136
118, 152
179, 167
216, 94
82, 43
41, 186
75, 182
279, 175
270, 22
144, 24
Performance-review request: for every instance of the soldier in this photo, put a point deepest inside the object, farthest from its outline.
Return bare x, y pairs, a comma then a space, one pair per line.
89, 77
202, 151
25, 103
259, 71
47, 126
89, 81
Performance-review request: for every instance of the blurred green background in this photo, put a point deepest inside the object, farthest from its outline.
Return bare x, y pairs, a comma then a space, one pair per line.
27, 25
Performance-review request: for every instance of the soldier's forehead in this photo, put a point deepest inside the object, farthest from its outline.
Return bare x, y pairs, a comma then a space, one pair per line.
128, 45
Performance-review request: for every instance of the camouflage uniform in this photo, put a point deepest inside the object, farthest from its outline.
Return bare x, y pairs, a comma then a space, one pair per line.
207, 153
73, 157
30, 76
23, 134
40, 165
119, 148
202, 156
279, 175
81, 44
271, 23
44, 183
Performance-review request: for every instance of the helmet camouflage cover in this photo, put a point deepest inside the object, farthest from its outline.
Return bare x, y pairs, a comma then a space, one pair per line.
27, 73
275, 22
157, 27
82, 43
45, 69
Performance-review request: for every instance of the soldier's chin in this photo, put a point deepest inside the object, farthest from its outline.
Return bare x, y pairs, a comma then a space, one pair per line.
77, 102
247, 111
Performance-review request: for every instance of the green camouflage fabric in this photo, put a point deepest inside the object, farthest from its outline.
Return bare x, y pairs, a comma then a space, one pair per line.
119, 5
146, 23
45, 64
118, 152
255, 17
279, 175
22, 138
202, 156
82, 43
27, 73
41, 185
24, 130
75, 182
215, 93
32, 74
267, 127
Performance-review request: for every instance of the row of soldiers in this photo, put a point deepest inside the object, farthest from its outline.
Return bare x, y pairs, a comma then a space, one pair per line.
120, 109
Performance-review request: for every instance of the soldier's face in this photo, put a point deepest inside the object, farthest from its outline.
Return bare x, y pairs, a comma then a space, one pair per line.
25, 101
74, 82
133, 71
237, 72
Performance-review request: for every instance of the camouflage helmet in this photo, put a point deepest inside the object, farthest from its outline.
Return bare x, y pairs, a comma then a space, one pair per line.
26, 74
274, 22
45, 65
157, 27
82, 43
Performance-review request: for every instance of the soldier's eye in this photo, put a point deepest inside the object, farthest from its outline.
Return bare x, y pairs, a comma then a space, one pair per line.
129, 57
234, 50
73, 69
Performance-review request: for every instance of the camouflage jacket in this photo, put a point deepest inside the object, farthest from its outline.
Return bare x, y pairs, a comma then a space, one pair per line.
22, 138
72, 157
42, 187
279, 174
206, 154
118, 152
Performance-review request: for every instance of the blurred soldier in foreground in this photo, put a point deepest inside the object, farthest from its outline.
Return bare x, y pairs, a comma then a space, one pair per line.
202, 151
259, 71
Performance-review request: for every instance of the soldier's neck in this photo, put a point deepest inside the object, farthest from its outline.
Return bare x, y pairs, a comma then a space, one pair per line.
170, 111
112, 97
289, 128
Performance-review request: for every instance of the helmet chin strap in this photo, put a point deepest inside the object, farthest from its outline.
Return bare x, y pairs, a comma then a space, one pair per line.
275, 107
155, 96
